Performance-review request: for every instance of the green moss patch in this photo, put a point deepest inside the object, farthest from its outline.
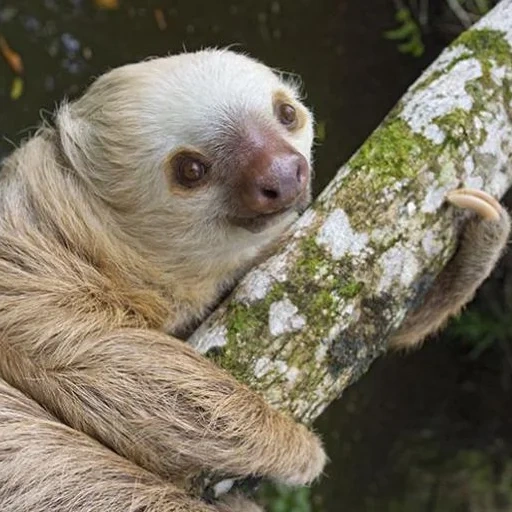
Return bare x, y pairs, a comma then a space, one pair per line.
391, 153
486, 45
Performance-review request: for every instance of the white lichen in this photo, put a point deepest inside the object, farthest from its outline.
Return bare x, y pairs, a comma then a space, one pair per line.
304, 221
494, 123
436, 195
346, 317
362, 352
379, 235
493, 154
254, 287
262, 366
435, 198
469, 165
398, 264
265, 365
283, 318
499, 184
205, 339
473, 182
442, 96
223, 487
499, 19
292, 375
328, 195
446, 58
277, 265
280, 366
338, 237
498, 74
431, 245
258, 283
321, 352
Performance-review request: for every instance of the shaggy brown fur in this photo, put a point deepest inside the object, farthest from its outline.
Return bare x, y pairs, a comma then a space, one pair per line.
94, 265
105, 247
482, 243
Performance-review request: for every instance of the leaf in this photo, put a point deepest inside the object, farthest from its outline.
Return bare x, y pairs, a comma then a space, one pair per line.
107, 4
160, 19
320, 131
12, 58
409, 33
17, 87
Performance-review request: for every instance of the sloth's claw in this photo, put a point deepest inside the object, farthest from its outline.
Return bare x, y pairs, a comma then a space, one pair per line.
478, 201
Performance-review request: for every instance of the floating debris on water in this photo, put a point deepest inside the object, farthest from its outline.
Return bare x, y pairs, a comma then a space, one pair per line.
107, 4
17, 87
12, 58
160, 19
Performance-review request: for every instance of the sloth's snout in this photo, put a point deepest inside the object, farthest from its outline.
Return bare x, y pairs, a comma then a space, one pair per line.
276, 181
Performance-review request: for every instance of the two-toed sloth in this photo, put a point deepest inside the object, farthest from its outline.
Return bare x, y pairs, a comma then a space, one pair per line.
124, 222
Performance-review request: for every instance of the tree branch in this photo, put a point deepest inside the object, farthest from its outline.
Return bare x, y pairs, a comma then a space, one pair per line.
309, 321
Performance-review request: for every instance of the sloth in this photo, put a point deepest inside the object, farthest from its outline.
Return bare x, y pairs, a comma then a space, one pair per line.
121, 223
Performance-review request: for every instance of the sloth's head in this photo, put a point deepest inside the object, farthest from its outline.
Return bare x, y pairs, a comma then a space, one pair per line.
211, 145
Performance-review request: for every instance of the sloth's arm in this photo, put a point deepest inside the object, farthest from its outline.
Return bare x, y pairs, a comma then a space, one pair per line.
156, 401
47, 466
482, 243
148, 396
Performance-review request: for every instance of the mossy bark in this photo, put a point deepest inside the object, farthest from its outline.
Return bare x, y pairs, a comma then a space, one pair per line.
309, 321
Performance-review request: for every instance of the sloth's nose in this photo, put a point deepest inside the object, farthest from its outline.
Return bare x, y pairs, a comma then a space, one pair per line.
277, 182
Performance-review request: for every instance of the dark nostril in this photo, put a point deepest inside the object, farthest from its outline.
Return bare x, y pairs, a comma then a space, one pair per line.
269, 194
300, 173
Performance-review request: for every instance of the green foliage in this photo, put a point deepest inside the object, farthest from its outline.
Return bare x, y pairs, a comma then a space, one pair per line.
481, 330
391, 153
320, 131
279, 498
480, 7
469, 480
417, 19
487, 44
408, 34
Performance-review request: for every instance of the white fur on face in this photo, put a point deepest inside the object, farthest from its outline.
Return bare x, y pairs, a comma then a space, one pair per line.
190, 99
124, 128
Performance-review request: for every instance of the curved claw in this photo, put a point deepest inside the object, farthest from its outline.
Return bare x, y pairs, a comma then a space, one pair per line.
478, 201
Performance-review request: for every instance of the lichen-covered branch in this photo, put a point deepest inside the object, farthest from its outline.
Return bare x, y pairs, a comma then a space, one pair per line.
306, 323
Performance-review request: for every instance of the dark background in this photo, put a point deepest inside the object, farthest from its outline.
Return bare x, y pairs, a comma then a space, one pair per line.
424, 432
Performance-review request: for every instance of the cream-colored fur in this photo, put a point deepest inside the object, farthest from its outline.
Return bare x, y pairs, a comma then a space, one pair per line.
98, 257
103, 259
483, 240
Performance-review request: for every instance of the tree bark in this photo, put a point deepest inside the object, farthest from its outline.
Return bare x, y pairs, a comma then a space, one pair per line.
306, 323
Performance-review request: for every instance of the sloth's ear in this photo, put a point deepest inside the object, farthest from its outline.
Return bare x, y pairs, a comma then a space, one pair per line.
77, 140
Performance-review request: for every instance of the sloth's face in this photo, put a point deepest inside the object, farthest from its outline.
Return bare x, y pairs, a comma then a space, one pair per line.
212, 141
252, 165
240, 134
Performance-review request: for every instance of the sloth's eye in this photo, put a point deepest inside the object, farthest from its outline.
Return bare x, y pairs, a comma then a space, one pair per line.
190, 169
287, 115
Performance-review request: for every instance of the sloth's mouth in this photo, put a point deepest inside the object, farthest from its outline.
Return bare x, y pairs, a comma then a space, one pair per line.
261, 222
